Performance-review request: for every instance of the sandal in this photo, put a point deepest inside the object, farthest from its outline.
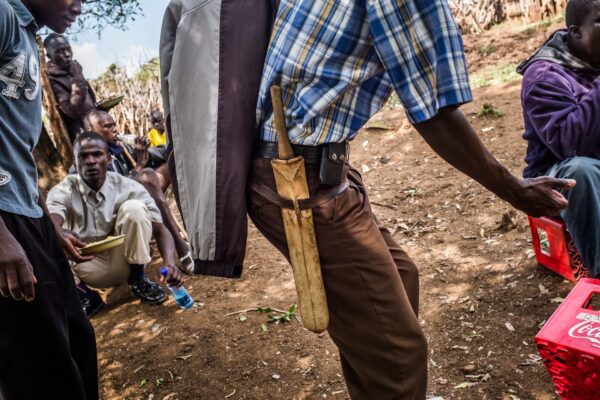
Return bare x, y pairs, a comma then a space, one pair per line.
186, 263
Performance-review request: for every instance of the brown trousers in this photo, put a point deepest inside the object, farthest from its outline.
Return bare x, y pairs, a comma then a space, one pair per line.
372, 288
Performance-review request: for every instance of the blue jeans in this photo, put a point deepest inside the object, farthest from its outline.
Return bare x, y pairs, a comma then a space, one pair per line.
582, 217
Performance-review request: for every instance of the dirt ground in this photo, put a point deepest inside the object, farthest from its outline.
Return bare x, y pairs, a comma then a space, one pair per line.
483, 296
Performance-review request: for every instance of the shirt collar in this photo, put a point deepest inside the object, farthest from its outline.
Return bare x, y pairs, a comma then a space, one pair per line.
23, 14
87, 192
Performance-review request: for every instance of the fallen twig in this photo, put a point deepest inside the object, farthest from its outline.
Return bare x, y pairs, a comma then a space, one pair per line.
254, 309
384, 205
269, 311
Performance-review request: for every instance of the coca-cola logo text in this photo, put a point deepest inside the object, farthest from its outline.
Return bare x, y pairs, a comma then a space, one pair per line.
588, 330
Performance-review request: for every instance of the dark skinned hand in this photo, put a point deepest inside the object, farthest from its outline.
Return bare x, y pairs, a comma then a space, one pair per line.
540, 197
76, 71
141, 146
70, 244
16, 273
79, 88
174, 276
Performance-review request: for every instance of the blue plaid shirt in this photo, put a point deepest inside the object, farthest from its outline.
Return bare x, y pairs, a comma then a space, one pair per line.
338, 61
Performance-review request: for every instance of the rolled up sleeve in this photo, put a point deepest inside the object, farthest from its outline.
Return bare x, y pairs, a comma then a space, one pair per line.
422, 51
58, 200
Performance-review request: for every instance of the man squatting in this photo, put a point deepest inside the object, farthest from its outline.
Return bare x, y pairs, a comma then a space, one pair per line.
561, 104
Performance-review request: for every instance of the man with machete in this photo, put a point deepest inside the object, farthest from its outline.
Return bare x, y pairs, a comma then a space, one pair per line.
337, 63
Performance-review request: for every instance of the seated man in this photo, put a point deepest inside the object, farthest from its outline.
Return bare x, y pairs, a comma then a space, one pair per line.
95, 204
158, 135
561, 106
134, 162
73, 93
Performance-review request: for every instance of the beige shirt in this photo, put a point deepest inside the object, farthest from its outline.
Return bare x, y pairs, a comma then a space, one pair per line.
92, 215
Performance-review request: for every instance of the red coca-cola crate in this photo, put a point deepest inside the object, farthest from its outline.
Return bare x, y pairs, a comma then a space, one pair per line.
569, 343
554, 248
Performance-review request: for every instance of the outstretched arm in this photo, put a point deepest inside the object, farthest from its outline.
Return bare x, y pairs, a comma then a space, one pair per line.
68, 241
452, 137
166, 246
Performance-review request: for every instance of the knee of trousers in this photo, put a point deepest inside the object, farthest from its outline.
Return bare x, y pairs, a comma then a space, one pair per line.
422, 348
582, 169
412, 344
134, 212
411, 272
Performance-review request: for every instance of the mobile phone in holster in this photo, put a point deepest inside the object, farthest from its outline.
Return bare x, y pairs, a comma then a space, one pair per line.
333, 158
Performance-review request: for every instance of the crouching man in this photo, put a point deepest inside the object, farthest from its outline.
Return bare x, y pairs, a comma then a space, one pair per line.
148, 167
95, 204
561, 106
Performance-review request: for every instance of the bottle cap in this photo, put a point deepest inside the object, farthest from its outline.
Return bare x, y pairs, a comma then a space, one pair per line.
164, 271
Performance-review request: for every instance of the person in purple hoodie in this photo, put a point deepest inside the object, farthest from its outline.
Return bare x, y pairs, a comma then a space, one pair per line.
561, 106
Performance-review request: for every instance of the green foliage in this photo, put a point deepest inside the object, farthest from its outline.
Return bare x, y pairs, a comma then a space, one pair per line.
114, 72
274, 315
148, 71
485, 51
111, 71
97, 14
534, 27
109, 77
284, 317
488, 110
494, 75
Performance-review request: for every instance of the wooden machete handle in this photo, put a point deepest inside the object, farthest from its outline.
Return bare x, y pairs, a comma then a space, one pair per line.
284, 145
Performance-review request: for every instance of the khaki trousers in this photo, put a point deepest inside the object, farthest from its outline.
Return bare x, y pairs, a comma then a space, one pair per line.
111, 268
372, 288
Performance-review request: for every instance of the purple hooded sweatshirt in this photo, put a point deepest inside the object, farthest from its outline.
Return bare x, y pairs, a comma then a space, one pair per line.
561, 106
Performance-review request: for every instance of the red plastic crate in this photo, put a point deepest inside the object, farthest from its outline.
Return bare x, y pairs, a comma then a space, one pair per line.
555, 250
569, 344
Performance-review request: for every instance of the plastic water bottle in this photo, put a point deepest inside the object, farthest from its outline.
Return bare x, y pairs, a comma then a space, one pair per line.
181, 295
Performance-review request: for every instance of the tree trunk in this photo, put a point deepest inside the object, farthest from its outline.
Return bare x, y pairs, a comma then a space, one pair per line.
57, 125
49, 163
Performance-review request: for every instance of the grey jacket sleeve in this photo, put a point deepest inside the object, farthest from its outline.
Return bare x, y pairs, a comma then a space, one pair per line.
189, 51
167, 45
212, 54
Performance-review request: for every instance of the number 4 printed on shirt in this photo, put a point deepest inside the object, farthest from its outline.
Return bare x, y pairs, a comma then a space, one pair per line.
12, 76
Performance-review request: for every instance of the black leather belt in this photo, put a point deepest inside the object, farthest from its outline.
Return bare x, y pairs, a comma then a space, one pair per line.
268, 150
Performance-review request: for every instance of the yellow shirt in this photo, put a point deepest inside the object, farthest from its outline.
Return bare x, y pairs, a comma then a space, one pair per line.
156, 138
